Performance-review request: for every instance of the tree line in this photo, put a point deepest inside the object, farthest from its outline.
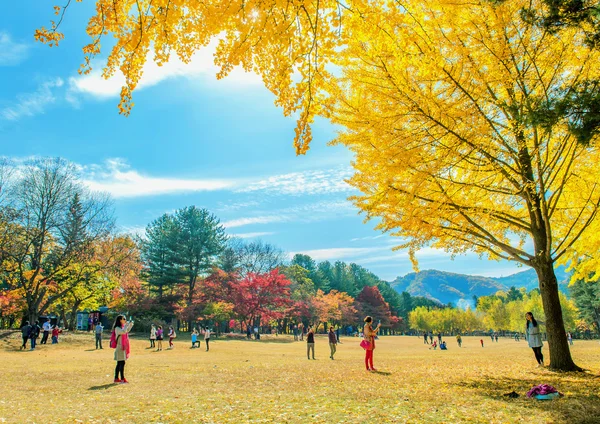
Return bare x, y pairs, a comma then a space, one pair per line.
60, 253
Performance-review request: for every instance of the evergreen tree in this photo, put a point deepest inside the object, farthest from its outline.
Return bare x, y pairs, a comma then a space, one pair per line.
587, 299
158, 252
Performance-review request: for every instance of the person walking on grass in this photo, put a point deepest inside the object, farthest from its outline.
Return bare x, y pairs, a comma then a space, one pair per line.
206, 337
172, 335
25, 334
459, 340
46, 327
310, 342
425, 338
570, 338
534, 337
159, 338
34, 332
121, 329
332, 342
369, 335
481, 341
152, 336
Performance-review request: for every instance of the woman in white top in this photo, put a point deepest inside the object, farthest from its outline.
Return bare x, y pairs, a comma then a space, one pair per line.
152, 336
207, 337
534, 337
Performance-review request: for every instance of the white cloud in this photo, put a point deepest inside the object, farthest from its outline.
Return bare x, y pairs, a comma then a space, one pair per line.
338, 253
301, 183
30, 104
120, 181
267, 219
235, 206
201, 64
369, 237
135, 230
305, 213
116, 177
251, 235
11, 53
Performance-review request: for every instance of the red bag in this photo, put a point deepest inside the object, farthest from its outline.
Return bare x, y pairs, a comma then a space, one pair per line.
365, 344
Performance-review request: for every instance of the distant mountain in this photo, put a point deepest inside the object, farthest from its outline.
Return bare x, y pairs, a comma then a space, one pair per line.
448, 287
528, 279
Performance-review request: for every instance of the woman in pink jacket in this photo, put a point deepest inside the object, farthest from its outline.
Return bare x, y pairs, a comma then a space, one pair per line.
121, 328
369, 335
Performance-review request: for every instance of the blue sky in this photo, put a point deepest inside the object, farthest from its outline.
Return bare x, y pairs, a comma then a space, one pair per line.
191, 140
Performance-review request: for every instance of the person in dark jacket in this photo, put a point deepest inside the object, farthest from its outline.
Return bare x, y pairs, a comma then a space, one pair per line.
34, 332
310, 342
332, 342
25, 334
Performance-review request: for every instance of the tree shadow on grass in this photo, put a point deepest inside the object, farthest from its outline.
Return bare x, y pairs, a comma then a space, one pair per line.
104, 386
8, 333
580, 405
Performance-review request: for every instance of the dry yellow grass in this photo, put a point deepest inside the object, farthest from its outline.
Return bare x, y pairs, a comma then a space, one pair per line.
271, 381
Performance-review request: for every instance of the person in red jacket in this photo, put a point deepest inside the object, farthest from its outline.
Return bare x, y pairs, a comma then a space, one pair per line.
55, 332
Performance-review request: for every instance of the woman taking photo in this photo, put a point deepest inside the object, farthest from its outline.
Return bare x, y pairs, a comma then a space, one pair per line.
121, 328
369, 335
534, 337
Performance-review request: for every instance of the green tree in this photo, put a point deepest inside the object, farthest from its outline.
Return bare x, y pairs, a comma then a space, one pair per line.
314, 272
199, 240
159, 253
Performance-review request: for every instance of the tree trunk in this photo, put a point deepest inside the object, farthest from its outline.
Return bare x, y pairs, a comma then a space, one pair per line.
560, 355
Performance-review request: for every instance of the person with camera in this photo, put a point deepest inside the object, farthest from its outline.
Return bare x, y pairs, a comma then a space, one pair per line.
121, 329
369, 335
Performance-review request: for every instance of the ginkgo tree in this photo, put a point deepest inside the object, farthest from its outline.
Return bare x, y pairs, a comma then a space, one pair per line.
461, 115
452, 113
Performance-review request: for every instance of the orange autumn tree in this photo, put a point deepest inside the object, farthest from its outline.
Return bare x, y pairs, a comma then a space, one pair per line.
334, 307
454, 114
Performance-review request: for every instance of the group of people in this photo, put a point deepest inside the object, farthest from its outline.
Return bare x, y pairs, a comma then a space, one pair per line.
157, 334
32, 331
205, 332
369, 335
122, 327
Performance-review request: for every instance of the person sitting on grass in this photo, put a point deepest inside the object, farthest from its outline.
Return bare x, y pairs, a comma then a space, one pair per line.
443, 346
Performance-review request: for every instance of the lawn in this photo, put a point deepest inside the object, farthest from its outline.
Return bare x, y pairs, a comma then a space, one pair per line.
271, 381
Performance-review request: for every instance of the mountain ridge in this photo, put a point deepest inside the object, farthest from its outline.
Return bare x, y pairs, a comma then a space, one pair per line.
449, 287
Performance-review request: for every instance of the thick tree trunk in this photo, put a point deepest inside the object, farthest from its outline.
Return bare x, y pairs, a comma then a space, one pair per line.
560, 355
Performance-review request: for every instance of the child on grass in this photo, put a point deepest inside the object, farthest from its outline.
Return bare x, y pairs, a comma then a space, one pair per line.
55, 332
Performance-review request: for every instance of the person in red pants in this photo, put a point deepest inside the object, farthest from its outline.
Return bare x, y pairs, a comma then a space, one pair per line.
369, 335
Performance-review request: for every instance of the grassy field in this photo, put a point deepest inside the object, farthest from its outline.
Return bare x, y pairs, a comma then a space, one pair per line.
271, 381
